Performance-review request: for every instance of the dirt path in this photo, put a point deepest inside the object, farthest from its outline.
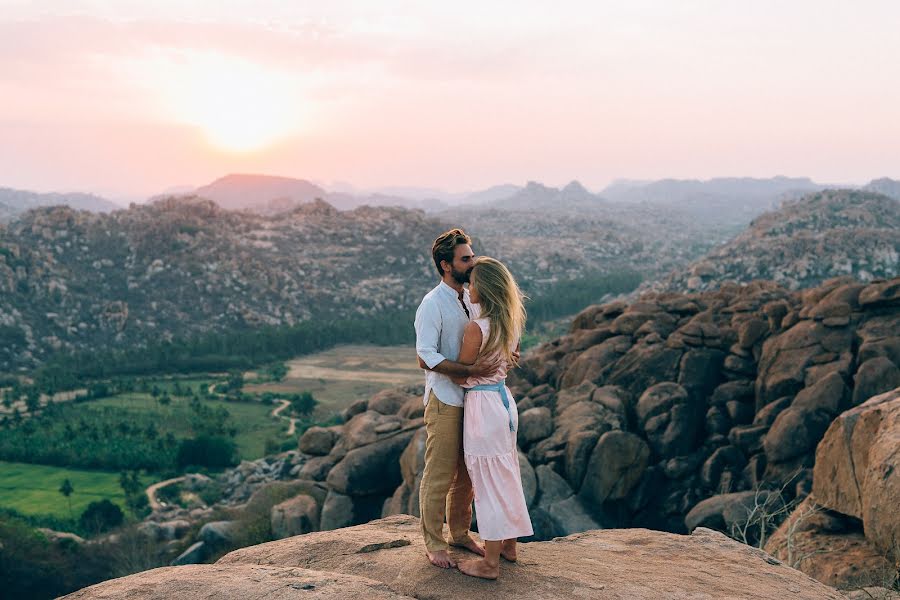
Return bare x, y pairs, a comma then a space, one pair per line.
292, 427
151, 491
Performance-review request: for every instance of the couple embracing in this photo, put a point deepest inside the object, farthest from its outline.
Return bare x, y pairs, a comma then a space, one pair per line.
466, 339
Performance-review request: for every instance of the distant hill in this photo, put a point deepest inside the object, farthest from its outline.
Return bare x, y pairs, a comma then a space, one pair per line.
14, 202
886, 186
677, 191
491, 194
538, 196
265, 193
803, 243
269, 195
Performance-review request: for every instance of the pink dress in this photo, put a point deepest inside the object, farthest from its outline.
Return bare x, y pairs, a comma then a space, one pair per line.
492, 458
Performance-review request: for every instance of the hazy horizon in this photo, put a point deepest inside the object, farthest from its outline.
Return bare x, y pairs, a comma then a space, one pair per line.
126, 99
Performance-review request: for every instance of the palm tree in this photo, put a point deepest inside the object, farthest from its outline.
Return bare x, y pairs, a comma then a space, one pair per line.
66, 490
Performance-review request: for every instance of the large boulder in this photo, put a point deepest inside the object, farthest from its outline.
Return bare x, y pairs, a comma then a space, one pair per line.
535, 424
798, 429
786, 357
875, 376
368, 427
643, 366
578, 428
389, 402
317, 441
616, 465
337, 511
593, 363
706, 564
296, 516
857, 470
371, 469
830, 548
565, 512
670, 418
217, 534
385, 560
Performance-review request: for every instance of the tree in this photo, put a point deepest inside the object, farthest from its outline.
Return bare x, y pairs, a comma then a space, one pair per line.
304, 404
101, 516
66, 490
32, 400
135, 497
164, 400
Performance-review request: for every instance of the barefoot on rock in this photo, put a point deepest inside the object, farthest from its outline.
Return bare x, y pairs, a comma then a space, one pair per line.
508, 550
479, 568
471, 546
440, 558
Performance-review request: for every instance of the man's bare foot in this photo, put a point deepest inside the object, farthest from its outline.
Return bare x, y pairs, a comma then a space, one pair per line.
508, 551
471, 546
479, 568
441, 558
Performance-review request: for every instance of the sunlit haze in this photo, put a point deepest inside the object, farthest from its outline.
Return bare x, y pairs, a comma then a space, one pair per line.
128, 98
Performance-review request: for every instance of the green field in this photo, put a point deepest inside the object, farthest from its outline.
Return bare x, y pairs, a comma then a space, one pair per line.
252, 420
34, 489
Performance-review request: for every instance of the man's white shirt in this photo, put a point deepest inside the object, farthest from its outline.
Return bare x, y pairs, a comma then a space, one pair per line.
440, 324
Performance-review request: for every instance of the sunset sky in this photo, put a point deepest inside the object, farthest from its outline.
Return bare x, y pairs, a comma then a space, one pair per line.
128, 98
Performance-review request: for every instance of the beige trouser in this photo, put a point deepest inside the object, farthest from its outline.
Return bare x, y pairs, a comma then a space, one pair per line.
445, 481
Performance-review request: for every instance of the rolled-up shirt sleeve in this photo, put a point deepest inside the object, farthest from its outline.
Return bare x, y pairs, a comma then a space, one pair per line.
428, 333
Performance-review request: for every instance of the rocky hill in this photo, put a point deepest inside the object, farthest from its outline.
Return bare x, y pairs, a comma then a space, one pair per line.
385, 560
73, 279
15, 202
822, 235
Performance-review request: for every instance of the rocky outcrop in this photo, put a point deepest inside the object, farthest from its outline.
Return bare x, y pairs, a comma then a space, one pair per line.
729, 390
385, 559
846, 533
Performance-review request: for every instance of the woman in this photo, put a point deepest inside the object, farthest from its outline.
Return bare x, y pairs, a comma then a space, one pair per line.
490, 418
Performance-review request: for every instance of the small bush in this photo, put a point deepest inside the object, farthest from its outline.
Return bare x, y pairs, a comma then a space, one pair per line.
101, 516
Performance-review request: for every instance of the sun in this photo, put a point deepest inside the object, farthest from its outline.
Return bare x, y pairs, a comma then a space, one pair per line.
239, 105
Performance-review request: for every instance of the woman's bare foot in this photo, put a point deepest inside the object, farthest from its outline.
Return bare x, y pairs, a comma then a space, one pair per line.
479, 568
440, 558
471, 546
508, 551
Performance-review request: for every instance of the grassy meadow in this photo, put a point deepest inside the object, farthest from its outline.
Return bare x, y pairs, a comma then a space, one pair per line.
33, 490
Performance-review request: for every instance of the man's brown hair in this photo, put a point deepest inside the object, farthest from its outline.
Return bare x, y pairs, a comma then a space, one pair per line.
445, 245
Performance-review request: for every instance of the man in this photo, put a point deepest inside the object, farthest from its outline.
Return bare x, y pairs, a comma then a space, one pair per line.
440, 321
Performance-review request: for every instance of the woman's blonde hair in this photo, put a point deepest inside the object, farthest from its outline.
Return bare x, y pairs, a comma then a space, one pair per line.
502, 303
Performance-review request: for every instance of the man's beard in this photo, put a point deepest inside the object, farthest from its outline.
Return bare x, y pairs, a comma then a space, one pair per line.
461, 277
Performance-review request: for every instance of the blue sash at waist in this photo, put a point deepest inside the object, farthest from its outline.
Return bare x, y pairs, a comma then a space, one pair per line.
500, 387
